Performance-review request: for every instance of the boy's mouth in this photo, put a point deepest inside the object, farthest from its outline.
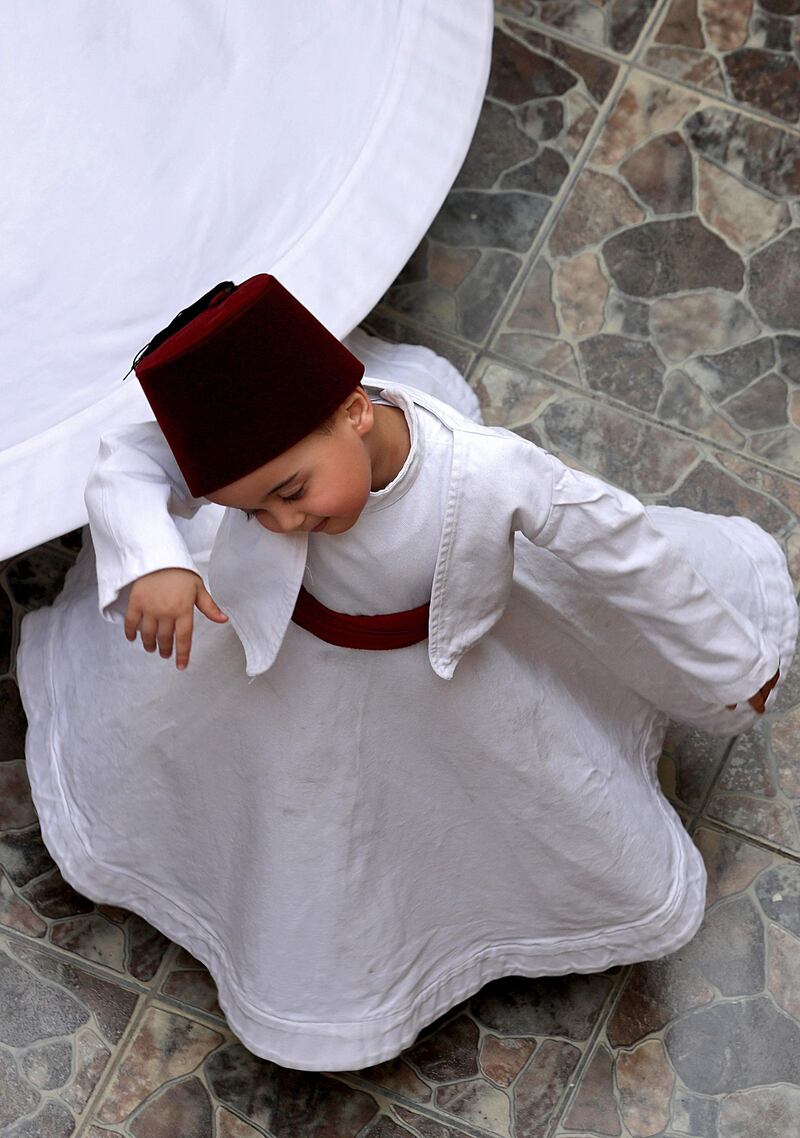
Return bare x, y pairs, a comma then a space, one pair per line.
320, 526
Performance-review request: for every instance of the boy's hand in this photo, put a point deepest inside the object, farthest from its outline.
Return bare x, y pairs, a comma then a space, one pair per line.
758, 701
161, 606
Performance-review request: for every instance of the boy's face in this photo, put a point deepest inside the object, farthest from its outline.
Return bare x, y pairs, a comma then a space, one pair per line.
320, 485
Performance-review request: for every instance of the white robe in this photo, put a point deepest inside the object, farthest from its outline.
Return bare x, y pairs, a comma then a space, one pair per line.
354, 841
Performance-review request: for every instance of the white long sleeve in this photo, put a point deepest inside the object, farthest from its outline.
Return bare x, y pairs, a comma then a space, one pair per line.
695, 639
134, 495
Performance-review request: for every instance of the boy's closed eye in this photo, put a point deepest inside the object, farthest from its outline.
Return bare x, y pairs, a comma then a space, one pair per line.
283, 497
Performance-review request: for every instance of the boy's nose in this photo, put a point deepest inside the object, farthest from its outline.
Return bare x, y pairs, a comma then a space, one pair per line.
285, 519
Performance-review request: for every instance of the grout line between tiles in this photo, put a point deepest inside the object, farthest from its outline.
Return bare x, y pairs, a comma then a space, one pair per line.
627, 66
586, 45
129, 983
626, 69
98, 1094
150, 1001
723, 100
571, 1090
492, 355
450, 1120
558, 203
208, 1019
723, 828
563, 36
164, 966
634, 61
650, 25
149, 990
712, 786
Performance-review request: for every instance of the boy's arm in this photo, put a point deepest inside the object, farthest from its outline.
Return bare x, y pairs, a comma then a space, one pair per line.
133, 493
145, 573
606, 536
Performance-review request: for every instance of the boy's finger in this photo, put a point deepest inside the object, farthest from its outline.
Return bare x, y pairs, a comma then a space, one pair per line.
132, 620
208, 606
183, 640
166, 630
148, 630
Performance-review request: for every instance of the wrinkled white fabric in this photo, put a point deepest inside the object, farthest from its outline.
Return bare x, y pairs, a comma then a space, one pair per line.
350, 840
152, 149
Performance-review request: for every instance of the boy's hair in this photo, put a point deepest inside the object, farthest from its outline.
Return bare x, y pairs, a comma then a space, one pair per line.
325, 428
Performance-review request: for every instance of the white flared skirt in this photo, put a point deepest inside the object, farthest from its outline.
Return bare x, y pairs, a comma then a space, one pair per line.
353, 845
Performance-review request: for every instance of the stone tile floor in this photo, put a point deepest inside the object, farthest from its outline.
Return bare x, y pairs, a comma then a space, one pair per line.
617, 272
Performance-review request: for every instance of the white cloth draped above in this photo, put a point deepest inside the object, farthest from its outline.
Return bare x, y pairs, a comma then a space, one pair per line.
156, 149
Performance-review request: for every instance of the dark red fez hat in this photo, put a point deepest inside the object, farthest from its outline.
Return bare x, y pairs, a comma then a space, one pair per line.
241, 376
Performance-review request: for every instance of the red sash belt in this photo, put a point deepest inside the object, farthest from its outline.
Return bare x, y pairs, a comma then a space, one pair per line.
388, 630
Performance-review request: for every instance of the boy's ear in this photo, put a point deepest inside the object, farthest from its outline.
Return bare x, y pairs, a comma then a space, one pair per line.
358, 408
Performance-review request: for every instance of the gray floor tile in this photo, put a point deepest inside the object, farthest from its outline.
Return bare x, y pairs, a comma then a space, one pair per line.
759, 789
744, 51
671, 281
699, 1038
544, 96
59, 1030
608, 24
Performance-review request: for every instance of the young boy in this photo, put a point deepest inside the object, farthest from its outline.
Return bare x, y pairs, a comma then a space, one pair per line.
419, 753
